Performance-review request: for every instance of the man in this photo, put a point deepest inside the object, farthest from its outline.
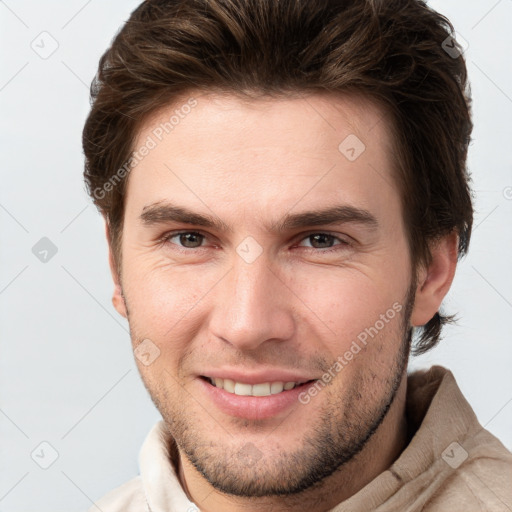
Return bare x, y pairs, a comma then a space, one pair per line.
285, 194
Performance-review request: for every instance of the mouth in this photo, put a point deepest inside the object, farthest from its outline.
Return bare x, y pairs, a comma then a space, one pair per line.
262, 389
255, 395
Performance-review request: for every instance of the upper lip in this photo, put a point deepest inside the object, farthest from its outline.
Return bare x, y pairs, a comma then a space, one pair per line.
257, 377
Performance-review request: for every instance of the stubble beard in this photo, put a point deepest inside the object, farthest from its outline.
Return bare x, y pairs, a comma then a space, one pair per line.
239, 468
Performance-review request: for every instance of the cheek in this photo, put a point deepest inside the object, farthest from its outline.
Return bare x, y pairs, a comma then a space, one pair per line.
162, 302
333, 306
343, 306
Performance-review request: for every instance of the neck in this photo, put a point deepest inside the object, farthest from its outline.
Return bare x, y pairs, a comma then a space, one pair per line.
382, 449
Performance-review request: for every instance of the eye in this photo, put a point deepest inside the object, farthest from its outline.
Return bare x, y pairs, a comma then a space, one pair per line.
186, 239
321, 242
324, 241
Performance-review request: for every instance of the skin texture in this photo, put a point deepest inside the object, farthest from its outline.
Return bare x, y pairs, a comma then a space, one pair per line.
295, 307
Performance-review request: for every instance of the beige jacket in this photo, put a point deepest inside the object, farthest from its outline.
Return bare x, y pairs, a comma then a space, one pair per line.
452, 464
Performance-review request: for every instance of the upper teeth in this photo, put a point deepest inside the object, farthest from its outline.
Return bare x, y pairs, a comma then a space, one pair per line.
263, 389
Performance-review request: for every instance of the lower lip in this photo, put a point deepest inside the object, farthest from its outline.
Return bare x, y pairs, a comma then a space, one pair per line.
253, 407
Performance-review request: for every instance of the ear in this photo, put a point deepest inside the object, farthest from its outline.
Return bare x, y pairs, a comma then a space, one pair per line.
435, 280
117, 297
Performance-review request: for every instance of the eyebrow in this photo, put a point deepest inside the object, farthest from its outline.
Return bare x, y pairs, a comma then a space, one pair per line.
164, 212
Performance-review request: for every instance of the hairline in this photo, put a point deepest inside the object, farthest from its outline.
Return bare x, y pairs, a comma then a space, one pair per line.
252, 96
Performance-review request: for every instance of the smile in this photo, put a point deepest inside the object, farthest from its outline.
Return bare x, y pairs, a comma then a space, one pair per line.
260, 389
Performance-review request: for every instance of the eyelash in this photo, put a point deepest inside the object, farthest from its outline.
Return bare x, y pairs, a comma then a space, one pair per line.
165, 239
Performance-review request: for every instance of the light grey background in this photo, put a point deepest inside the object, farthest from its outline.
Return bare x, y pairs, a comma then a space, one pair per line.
67, 375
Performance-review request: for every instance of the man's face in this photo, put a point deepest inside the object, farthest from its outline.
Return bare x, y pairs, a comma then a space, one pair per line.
266, 296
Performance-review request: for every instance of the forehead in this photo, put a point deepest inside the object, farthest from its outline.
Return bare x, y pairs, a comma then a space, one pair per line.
328, 117
266, 154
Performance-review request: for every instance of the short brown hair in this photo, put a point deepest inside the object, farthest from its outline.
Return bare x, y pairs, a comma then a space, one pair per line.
393, 51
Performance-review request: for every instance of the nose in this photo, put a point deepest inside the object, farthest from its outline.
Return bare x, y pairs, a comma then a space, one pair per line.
252, 306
